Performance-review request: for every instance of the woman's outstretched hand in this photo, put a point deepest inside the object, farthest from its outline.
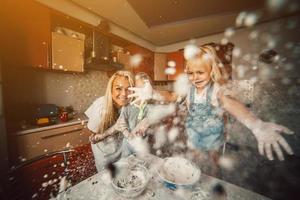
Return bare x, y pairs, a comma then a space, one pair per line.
269, 138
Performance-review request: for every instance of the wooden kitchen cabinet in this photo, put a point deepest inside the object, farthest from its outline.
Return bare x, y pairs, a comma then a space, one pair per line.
38, 143
160, 64
37, 179
40, 179
124, 59
148, 60
67, 53
178, 58
26, 36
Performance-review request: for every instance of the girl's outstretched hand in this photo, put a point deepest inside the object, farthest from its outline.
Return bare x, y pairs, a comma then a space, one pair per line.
140, 129
120, 125
269, 138
142, 94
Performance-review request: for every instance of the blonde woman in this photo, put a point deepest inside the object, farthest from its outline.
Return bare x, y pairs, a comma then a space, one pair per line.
106, 135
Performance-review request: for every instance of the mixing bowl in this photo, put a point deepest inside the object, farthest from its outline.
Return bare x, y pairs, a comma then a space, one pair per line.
130, 181
177, 172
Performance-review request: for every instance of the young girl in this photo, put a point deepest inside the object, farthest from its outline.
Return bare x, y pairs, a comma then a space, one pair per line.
134, 116
204, 122
206, 103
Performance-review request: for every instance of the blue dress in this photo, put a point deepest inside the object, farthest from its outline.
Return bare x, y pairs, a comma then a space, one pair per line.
204, 125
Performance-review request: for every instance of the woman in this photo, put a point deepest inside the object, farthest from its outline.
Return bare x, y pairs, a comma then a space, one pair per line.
106, 135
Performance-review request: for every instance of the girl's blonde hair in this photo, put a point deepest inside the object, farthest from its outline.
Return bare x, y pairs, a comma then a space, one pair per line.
109, 112
208, 55
144, 77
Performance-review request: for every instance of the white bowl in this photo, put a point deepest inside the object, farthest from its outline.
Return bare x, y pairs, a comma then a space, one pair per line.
130, 181
178, 172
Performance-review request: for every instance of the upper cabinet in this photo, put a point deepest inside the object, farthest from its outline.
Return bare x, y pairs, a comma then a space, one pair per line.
178, 58
34, 36
124, 58
147, 62
27, 34
160, 64
67, 52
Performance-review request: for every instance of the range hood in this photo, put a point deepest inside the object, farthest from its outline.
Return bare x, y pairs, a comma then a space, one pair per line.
102, 64
98, 53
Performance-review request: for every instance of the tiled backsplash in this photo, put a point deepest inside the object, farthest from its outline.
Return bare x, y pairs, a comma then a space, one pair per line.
78, 90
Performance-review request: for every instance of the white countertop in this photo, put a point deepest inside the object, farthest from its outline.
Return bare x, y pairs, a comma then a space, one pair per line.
97, 188
80, 119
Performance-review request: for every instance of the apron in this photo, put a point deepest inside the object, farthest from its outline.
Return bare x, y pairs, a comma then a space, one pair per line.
204, 125
108, 150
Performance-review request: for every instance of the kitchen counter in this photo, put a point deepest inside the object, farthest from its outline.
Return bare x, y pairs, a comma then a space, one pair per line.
78, 119
37, 141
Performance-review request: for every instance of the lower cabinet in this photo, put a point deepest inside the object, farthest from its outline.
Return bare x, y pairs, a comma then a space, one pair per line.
39, 143
42, 178
49, 159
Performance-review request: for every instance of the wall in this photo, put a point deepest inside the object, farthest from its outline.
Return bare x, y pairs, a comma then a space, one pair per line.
241, 35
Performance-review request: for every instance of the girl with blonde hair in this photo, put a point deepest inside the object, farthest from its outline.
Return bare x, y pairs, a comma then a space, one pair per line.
134, 116
106, 135
206, 102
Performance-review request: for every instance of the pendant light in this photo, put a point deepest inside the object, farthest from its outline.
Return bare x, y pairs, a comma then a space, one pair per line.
93, 53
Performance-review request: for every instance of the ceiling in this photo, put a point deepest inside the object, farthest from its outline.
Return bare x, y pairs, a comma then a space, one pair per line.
168, 11
163, 22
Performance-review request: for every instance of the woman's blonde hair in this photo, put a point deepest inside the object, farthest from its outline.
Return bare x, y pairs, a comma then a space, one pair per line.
109, 112
208, 55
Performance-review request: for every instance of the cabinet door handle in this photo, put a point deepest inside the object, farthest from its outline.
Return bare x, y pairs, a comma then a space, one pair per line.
62, 133
48, 56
